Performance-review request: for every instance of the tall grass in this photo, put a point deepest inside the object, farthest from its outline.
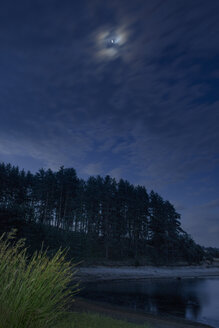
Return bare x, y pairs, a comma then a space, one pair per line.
33, 291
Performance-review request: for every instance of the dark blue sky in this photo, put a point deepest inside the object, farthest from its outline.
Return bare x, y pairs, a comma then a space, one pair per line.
126, 88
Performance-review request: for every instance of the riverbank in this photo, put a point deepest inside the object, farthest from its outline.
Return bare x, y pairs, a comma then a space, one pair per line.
101, 273
127, 315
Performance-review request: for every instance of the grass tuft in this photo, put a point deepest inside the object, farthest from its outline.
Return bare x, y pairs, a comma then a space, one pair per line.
34, 291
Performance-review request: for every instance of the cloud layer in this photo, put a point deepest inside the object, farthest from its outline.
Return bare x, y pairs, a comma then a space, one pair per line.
145, 109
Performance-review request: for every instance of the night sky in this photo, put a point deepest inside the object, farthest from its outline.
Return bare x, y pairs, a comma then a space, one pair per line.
126, 88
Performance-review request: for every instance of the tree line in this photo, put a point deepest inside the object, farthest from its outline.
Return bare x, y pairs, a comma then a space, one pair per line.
97, 218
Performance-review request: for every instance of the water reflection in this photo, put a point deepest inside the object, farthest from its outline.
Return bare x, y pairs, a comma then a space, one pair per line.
188, 298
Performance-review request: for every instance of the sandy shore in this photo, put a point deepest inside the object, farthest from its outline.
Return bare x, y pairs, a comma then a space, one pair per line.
100, 273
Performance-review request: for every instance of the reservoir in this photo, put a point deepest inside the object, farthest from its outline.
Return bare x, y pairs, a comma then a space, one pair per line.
194, 299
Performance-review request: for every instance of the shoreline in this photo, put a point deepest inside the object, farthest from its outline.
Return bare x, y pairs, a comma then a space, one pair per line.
98, 274
102, 273
138, 317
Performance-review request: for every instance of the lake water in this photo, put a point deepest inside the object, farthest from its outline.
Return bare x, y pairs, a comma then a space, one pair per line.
194, 299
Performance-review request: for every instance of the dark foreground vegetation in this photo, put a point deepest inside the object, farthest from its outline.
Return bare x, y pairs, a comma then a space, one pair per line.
94, 320
96, 219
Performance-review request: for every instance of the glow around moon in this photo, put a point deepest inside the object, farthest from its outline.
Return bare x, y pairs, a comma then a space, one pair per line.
110, 43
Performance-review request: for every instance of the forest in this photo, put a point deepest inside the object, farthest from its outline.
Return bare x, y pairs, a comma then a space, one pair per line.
99, 218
